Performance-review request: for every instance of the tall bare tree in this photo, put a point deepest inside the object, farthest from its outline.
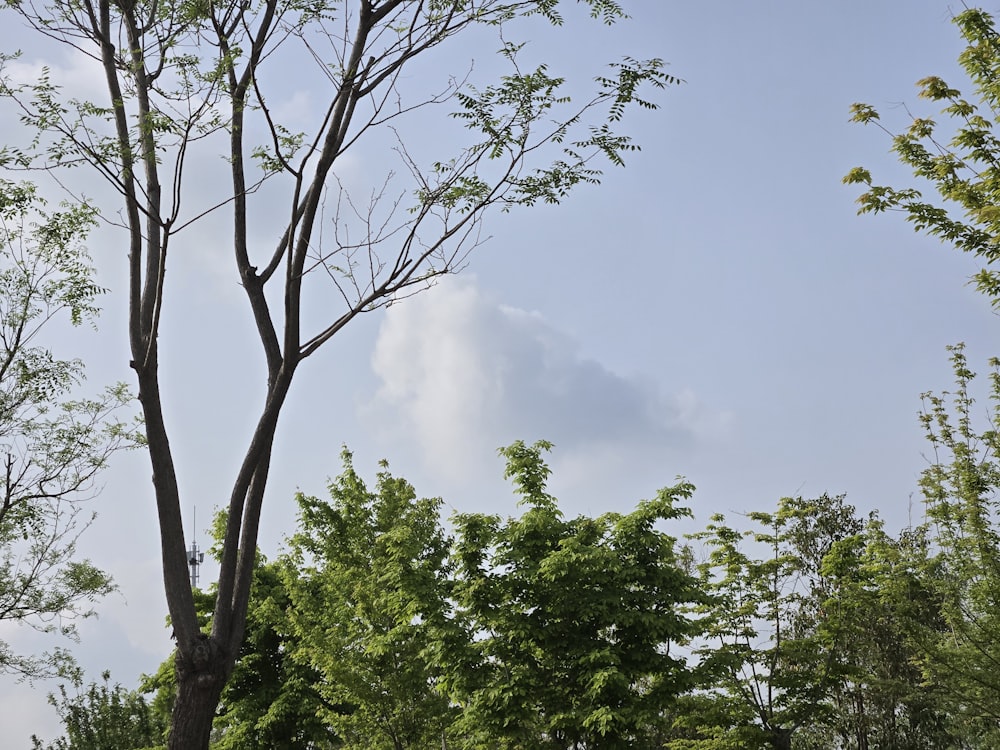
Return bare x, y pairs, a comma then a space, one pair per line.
183, 73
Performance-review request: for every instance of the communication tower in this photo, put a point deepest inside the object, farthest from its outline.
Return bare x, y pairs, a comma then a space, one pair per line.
195, 556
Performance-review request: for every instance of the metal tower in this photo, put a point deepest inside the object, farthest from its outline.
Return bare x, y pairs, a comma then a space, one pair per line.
195, 556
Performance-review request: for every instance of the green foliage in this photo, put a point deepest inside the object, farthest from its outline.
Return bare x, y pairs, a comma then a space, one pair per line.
51, 446
271, 701
507, 113
881, 697
104, 717
954, 556
962, 165
707, 720
378, 630
572, 622
803, 645
765, 638
366, 579
943, 574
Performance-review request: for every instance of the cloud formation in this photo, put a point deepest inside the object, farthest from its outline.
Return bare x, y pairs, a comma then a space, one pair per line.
461, 374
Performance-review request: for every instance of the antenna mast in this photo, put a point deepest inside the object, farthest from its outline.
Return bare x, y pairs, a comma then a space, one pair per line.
195, 556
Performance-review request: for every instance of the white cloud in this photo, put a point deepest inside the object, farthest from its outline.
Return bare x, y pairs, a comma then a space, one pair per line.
461, 374
78, 74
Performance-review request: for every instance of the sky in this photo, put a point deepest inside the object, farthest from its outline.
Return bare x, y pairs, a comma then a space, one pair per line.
715, 310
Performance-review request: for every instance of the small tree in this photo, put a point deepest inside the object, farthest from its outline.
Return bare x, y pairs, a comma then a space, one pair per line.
805, 645
765, 634
368, 589
51, 446
104, 717
573, 625
181, 76
955, 554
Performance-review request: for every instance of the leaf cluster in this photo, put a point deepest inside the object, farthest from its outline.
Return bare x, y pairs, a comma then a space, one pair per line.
962, 165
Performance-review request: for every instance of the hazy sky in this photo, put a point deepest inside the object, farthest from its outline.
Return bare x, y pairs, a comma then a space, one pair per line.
715, 310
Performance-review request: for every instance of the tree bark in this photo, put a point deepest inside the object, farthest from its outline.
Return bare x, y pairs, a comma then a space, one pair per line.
780, 738
202, 671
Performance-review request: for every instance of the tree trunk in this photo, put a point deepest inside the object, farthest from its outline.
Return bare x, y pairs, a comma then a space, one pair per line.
780, 738
202, 671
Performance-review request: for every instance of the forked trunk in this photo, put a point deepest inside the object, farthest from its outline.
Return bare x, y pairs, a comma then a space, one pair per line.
201, 676
780, 738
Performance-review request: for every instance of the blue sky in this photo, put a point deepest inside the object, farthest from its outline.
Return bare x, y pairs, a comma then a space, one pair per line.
714, 310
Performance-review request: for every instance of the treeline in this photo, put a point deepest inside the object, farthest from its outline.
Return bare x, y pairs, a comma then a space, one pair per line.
806, 626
